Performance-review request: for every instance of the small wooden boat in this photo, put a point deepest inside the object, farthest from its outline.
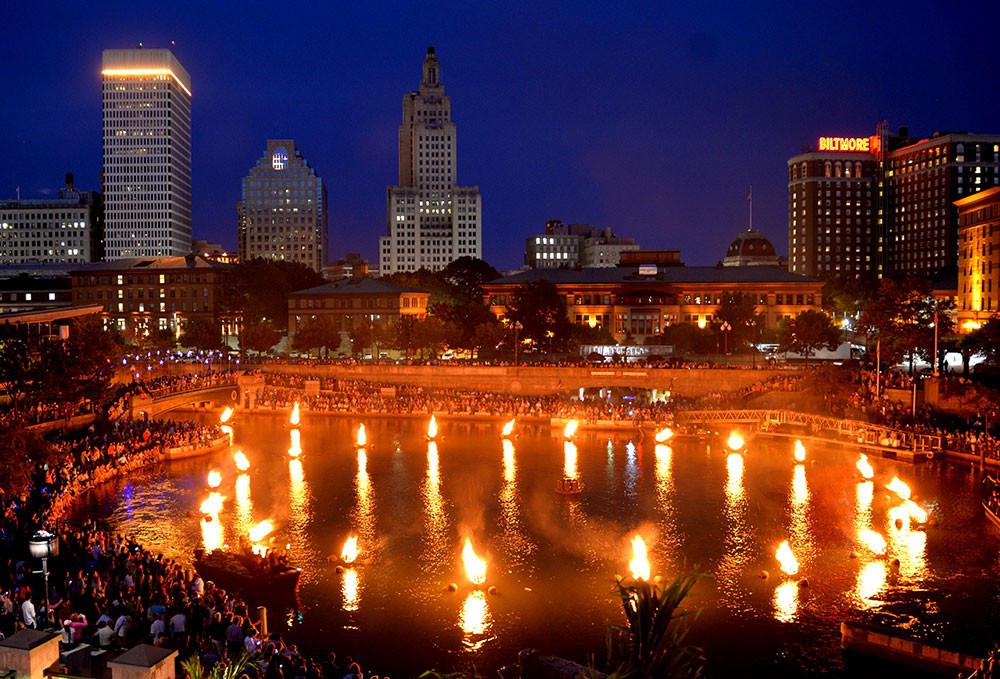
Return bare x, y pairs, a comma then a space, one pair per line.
991, 500
569, 486
242, 571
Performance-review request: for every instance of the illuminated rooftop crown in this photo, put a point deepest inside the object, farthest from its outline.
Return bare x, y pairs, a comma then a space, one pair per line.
751, 248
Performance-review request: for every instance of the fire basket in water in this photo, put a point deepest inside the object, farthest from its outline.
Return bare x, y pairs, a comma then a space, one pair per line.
789, 566
639, 565
350, 551
475, 568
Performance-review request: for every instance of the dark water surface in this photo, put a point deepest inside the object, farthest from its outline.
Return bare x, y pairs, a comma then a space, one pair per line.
553, 559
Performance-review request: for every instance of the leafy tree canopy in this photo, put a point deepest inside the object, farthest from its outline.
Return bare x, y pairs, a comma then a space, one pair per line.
258, 289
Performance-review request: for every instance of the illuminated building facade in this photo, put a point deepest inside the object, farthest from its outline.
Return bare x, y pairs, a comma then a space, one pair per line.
978, 259
431, 221
283, 210
351, 302
884, 205
635, 302
66, 229
140, 296
146, 103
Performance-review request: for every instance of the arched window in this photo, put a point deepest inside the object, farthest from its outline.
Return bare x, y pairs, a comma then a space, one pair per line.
829, 169
837, 169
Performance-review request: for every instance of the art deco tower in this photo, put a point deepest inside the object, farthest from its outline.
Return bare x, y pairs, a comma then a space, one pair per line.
282, 213
146, 103
431, 221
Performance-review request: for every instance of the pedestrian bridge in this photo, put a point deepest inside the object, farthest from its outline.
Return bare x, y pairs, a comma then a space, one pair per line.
156, 403
855, 431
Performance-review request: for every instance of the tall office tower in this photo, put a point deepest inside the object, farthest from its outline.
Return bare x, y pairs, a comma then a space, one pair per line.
146, 105
431, 221
884, 205
282, 213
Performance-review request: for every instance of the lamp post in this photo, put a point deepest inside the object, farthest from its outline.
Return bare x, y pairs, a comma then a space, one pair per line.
725, 328
43, 545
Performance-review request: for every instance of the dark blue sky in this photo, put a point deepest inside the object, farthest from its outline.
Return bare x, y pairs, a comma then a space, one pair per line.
650, 118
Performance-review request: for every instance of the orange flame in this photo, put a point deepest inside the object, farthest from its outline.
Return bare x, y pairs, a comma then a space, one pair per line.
212, 505
664, 434
214, 479
242, 463
899, 488
261, 531
475, 568
735, 441
350, 551
295, 415
508, 429
362, 438
865, 467
915, 511
226, 414
639, 565
570, 430
432, 428
787, 560
800, 451
872, 540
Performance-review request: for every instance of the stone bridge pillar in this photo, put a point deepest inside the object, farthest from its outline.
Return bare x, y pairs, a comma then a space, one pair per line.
251, 388
29, 652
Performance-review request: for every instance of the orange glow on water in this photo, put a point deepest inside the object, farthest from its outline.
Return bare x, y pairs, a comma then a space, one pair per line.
664, 434
789, 565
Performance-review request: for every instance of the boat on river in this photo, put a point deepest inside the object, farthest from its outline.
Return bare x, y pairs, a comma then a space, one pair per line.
243, 571
991, 500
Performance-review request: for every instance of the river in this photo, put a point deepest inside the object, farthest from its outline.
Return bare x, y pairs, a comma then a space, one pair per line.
552, 559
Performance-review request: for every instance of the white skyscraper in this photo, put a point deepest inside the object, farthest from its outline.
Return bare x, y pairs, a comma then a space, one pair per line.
430, 220
147, 154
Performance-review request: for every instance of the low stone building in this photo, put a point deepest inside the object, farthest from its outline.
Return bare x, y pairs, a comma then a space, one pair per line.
353, 301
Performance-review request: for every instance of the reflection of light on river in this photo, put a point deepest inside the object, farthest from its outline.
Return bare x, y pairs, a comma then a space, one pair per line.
211, 534
475, 620
569, 459
871, 580
244, 506
516, 542
801, 538
351, 589
671, 542
631, 470
871, 567
435, 552
738, 542
906, 544
364, 511
300, 508
786, 601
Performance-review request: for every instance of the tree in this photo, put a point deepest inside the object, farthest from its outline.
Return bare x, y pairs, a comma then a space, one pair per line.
540, 311
901, 317
22, 451
739, 310
687, 339
257, 290
317, 332
431, 334
807, 332
465, 276
259, 336
20, 371
201, 333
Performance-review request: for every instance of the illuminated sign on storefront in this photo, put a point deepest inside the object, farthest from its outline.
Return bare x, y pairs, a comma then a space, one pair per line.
855, 144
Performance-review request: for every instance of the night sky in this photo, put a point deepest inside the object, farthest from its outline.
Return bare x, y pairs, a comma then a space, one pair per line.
650, 118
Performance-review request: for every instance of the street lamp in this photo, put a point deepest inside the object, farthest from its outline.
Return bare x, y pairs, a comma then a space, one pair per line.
725, 328
43, 545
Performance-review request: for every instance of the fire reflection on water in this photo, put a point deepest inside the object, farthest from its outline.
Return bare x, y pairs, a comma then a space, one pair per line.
475, 620
569, 460
435, 552
786, 601
738, 540
871, 566
350, 588
517, 544
211, 534
671, 541
365, 507
244, 505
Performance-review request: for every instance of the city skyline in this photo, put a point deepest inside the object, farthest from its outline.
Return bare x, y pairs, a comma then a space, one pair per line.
651, 122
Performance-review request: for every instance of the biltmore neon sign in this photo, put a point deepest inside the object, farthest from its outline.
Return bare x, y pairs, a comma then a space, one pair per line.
849, 144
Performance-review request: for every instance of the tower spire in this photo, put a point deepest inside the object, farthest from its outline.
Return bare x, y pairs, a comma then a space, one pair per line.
750, 200
432, 69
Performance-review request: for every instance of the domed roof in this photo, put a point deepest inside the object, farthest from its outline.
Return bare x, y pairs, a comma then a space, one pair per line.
749, 249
